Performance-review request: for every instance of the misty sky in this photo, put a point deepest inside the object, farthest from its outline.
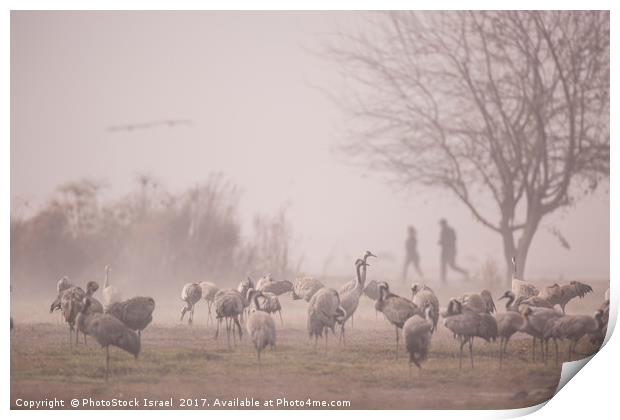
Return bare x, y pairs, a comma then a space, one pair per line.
249, 85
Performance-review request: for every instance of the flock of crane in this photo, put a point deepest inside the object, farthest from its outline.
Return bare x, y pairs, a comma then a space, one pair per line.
119, 322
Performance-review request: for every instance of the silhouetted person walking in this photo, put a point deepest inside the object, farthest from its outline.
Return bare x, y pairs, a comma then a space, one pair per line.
411, 253
447, 242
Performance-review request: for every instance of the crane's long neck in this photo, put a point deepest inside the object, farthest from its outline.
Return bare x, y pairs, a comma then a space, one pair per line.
256, 305
359, 283
509, 301
107, 278
363, 280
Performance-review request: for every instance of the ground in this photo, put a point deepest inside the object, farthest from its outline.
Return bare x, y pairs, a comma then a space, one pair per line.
179, 361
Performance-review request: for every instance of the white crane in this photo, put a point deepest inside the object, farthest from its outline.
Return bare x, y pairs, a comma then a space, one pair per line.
110, 293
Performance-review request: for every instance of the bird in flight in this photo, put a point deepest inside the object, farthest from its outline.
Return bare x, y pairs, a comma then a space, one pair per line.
151, 124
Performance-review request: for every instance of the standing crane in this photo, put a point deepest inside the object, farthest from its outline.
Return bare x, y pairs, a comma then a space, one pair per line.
424, 297
466, 324
136, 313
396, 309
350, 296
110, 293
260, 326
108, 331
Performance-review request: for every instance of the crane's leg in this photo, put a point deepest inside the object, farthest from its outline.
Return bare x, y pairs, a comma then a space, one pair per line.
463, 341
352, 321
533, 349
107, 362
191, 316
228, 332
217, 330
471, 351
85, 343
209, 313
183, 310
555, 343
77, 338
542, 351
501, 351
281, 320
397, 342
326, 334
238, 328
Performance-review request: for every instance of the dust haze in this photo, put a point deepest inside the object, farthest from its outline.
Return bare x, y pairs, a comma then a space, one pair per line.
249, 93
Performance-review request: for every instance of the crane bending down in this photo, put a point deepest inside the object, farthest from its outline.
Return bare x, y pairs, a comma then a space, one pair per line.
190, 295
260, 326
209, 290
417, 332
229, 305
324, 310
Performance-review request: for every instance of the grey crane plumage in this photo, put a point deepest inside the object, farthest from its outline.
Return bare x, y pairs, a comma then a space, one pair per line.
136, 313
350, 296
324, 310
243, 288
508, 323
260, 326
190, 295
268, 284
573, 328
597, 338
513, 303
478, 302
417, 332
94, 307
270, 304
424, 297
229, 305
209, 290
535, 321
468, 324
62, 285
305, 288
70, 302
565, 293
396, 309
108, 331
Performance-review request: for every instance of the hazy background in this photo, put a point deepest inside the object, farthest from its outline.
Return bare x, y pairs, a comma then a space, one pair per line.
254, 95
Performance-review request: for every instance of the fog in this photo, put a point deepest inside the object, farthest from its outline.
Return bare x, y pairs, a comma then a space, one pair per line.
254, 91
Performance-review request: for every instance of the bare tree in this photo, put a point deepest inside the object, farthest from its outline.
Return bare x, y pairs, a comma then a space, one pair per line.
507, 106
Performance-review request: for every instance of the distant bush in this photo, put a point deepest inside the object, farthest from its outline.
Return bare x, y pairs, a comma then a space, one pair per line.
152, 234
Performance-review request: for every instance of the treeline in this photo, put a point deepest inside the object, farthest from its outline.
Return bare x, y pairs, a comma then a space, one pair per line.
150, 234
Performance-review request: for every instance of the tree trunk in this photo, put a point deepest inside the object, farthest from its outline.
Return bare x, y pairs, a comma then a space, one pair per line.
509, 253
520, 251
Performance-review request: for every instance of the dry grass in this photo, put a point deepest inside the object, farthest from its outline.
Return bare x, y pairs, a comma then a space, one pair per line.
187, 362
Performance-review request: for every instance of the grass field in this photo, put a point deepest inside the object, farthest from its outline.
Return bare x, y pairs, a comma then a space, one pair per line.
178, 361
